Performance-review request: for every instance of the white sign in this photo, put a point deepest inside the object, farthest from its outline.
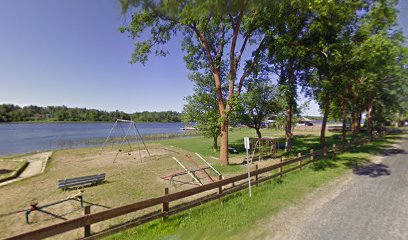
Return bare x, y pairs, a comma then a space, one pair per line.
246, 143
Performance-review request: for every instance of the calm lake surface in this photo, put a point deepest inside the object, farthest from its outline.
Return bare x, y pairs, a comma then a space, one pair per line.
30, 137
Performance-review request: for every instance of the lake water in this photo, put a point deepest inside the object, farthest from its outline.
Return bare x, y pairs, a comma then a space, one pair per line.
30, 137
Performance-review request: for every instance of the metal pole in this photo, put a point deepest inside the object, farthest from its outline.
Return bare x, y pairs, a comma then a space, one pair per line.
125, 138
138, 144
123, 120
110, 133
259, 156
253, 152
26, 216
189, 173
249, 175
215, 170
137, 130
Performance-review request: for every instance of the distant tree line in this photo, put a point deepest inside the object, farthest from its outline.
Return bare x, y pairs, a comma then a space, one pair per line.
15, 113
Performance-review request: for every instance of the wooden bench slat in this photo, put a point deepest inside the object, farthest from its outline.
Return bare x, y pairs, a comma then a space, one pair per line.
85, 177
80, 183
80, 180
71, 182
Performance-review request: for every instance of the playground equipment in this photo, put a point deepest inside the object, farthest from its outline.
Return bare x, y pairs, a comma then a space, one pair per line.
118, 134
266, 147
34, 206
192, 171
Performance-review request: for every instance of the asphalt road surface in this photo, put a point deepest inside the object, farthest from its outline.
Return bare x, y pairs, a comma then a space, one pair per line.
373, 204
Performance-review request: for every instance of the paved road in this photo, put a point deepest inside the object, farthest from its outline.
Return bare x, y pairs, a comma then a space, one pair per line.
372, 205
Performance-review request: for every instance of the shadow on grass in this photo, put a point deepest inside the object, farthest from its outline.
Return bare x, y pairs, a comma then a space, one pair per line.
5, 171
323, 165
361, 166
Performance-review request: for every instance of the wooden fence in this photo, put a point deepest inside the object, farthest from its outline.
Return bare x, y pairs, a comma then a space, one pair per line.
88, 219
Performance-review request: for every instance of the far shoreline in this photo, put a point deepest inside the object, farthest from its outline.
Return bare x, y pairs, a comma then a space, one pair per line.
33, 122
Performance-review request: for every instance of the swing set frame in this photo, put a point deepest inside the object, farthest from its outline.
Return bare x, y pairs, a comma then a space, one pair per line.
124, 139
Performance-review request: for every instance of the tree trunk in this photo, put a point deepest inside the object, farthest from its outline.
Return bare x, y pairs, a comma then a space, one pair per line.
258, 132
224, 117
397, 121
288, 129
358, 121
215, 143
354, 120
370, 118
324, 121
290, 100
344, 120
224, 143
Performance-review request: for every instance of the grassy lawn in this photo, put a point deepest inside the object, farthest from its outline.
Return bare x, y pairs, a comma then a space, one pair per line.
236, 140
236, 214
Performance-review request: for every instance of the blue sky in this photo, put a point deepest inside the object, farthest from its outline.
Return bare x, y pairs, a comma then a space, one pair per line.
70, 53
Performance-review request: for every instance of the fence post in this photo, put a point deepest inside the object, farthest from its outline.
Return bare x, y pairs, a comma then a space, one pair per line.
300, 160
256, 175
311, 155
165, 207
281, 166
220, 187
334, 149
87, 228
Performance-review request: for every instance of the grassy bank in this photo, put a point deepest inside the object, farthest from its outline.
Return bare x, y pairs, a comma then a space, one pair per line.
13, 172
236, 215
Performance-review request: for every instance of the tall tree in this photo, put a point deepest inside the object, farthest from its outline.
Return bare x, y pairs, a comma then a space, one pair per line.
260, 100
329, 38
202, 107
287, 28
213, 32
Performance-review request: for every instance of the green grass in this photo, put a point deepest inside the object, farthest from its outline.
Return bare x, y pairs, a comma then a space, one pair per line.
204, 145
237, 213
16, 172
301, 143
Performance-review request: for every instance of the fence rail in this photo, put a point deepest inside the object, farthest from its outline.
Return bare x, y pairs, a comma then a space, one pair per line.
88, 219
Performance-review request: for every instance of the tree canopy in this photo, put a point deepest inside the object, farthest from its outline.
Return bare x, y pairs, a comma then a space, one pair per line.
348, 55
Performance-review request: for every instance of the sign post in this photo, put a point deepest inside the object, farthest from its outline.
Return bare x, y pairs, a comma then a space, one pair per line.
247, 147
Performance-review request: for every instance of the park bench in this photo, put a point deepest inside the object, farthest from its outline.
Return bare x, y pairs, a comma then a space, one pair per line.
81, 181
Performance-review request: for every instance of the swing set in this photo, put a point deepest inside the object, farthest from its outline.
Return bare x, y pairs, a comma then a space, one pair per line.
125, 137
266, 147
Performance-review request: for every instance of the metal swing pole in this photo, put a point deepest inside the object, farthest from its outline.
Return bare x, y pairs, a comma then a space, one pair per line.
253, 152
124, 138
110, 134
138, 144
215, 170
189, 173
141, 138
